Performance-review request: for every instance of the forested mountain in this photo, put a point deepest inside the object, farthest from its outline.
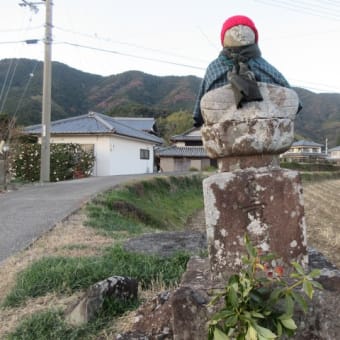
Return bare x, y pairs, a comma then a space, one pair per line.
135, 93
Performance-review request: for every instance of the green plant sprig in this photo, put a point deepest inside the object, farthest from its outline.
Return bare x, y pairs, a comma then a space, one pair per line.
259, 302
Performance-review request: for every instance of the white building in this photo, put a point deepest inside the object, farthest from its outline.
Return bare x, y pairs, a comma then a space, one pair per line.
334, 154
304, 151
121, 145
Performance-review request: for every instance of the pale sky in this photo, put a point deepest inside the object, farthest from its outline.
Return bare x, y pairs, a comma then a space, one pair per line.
178, 37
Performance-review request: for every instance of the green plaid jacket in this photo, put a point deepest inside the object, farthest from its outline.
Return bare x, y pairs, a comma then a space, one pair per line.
216, 76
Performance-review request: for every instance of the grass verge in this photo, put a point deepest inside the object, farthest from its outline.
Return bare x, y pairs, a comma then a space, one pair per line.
51, 325
157, 204
66, 275
152, 205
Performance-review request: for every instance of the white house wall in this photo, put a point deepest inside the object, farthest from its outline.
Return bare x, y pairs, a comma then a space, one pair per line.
125, 157
114, 155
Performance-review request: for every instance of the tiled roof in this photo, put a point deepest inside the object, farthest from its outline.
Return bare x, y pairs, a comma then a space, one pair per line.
97, 123
304, 154
194, 134
306, 143
337, 148
185, 151
142, 123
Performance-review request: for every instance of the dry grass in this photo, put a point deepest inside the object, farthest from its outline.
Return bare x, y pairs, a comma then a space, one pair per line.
72, 238
68, 238
323, 218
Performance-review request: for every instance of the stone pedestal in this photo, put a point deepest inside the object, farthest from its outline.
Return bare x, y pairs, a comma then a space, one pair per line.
251, 194
266, 204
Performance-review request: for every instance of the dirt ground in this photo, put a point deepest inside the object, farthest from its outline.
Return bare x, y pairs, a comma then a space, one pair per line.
323, 218
72, 238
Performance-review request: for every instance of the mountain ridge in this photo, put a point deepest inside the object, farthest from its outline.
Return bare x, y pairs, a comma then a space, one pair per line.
135, 93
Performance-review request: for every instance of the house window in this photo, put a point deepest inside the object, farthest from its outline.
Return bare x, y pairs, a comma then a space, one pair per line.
144, 154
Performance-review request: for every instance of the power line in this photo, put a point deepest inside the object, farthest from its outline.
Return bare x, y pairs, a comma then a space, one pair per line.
293, 6
132, 55
9, 85
21, 30
31, 75
100, 38
27, 41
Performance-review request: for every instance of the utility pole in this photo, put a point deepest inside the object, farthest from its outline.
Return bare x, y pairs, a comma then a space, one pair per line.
47, 85
46, 101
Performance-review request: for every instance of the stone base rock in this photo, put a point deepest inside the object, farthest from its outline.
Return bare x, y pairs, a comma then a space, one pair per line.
117, 287
183, 314
266, 204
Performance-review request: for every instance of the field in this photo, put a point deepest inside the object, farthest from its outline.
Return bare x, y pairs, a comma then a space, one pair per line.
322, 210
72, 238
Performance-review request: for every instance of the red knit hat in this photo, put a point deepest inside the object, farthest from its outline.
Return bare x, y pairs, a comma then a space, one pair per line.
238, 20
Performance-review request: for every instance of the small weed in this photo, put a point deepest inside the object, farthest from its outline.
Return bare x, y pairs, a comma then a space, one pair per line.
259, 301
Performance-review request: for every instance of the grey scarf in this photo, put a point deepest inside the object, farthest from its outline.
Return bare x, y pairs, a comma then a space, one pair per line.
241, 78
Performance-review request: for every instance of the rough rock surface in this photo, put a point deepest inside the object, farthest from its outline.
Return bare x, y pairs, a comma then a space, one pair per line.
117, 287
264, 127
266, 204
182, 314
168, 243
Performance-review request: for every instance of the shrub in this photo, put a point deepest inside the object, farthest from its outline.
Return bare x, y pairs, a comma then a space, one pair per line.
259, 302
65, 160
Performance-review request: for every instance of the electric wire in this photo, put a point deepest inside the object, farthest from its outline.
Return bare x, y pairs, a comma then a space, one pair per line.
31, 75
4, 92
21, 29
9, 85
131, 55
301, 9
97, 37
6, 78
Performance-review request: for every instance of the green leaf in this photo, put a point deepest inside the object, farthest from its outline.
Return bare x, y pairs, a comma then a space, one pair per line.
289, 324
231, 321
317, 285
308, 288
255, 296
249, 247
215, 299
257, 315
314, 273
275, 294
298, 268
300, 300
232, 297
222, 315
265, 332
251, 334
279, 329
289, 304
285, 316
219, 335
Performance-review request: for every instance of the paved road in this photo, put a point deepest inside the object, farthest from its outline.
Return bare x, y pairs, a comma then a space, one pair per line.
28, 212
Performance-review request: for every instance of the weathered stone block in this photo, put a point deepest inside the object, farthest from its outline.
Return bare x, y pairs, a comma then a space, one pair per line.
252, 137
218, 105
265, 204
115, 287
264, 127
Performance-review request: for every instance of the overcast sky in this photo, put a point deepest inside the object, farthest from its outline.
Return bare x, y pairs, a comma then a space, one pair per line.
178, 37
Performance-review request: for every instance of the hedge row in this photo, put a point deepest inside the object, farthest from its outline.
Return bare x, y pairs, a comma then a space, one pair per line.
67, 161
